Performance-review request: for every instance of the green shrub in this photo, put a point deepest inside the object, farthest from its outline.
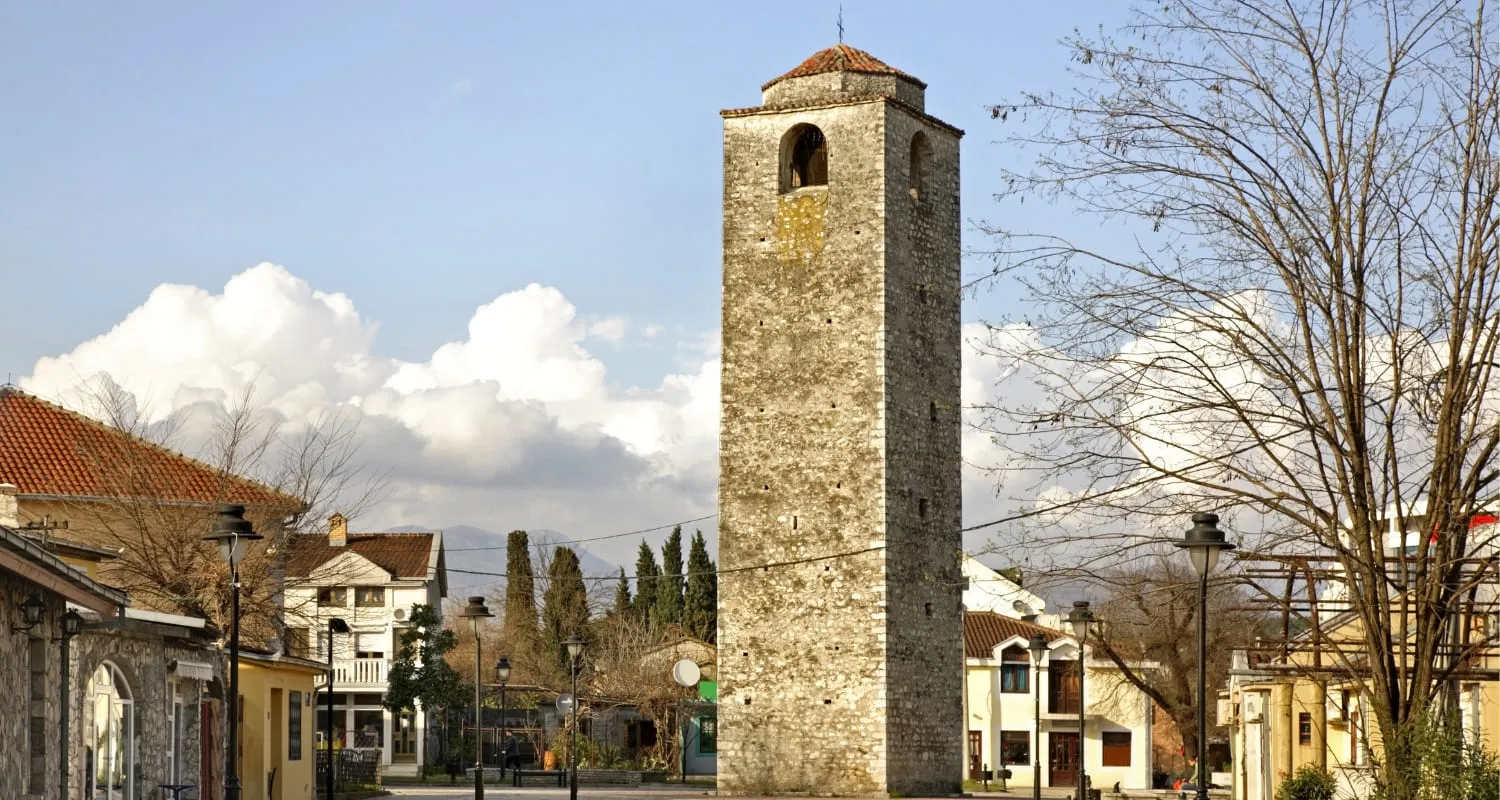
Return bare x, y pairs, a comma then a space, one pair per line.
1430, 760
1308, 783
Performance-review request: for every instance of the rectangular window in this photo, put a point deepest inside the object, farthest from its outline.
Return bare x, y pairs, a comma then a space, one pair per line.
37, 780
1116, 748
1304, 728
1015, 679
369, 645
369, 597
333, 597
294, 726
708, 735
1015, 747
369, 728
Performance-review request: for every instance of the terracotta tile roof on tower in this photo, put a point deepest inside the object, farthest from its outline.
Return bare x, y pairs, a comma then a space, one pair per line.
404, 555
985, 629
46, 449
842, 58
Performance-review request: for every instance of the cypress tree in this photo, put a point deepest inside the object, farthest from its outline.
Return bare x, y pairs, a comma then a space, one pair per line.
565, 604
519, 626
669, 588
647, 573
622, 597
700, 611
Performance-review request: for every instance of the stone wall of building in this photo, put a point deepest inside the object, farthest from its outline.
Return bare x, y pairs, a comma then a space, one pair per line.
924, 624
16, 727
839, 336
145, 661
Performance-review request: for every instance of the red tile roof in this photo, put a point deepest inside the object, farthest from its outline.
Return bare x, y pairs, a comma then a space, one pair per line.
983, 630
842, 58
404, 555
46, 449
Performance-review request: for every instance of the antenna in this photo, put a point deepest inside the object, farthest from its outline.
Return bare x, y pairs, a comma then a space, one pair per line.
841, 23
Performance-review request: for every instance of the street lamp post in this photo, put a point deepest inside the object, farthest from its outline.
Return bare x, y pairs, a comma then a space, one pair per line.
1079, 618
72, 623
1038, 648
335, 625
475, 612
502, 671
233, 534
1203, 543
575, 649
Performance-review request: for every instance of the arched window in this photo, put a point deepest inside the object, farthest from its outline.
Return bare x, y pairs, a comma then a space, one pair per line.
917, 165
804, 158
109, 747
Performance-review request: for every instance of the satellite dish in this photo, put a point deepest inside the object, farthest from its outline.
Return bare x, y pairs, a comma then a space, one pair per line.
686, 673
564, 703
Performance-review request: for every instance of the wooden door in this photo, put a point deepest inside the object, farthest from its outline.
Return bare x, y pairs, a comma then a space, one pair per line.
1063, 759
976, 754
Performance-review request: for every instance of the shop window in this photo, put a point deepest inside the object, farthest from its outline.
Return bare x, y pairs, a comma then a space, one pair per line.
1015, 747
708, 735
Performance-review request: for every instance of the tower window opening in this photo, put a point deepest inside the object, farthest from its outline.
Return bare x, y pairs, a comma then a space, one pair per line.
794, 523
932, 411
922, 508
804, 158
917, 164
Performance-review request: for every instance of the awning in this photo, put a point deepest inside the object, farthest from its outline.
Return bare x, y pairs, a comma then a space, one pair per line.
193, 670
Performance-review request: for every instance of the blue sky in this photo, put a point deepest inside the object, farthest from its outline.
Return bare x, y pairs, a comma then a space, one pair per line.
497, 225
424, 158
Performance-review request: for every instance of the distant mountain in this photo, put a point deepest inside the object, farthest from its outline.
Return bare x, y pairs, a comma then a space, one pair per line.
474, 550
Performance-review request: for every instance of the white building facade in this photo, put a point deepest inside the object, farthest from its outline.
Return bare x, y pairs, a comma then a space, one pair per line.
1003, 688
371, 581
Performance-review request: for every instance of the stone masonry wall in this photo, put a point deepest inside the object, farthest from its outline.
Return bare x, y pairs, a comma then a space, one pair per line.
924, 648
15, 691
823, 687
145, 662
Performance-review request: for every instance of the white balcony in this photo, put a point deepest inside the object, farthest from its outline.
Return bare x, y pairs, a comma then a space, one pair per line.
358, 672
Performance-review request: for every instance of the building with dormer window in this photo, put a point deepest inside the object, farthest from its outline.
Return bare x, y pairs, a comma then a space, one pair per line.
370, 581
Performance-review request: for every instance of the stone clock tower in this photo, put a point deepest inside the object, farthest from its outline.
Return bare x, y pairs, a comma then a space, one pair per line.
840, 622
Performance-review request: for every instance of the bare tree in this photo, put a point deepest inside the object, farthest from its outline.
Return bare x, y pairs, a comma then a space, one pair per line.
1302, 333
155, 513
1150, 616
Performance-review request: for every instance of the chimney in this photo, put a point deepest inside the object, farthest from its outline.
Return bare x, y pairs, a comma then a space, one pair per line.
10, 510
338, 531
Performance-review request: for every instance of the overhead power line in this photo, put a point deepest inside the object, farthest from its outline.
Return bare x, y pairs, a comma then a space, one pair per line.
566, 542
718, 572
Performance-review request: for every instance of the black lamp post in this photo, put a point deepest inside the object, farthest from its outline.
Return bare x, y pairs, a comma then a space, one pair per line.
502, 671
1079, 618
1203, 543
1038, 648
232, 533
475, 612
72, 623
335, 625
575, 649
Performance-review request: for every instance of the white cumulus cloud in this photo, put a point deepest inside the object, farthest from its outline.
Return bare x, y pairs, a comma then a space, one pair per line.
514, 426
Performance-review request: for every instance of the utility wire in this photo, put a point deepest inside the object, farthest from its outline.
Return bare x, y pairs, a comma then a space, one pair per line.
566, 542
717, 572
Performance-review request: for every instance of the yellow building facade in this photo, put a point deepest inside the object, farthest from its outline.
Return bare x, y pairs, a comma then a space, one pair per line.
1303, 709
277, 757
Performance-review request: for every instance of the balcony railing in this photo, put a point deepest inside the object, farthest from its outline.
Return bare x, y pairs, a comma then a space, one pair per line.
359, 671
